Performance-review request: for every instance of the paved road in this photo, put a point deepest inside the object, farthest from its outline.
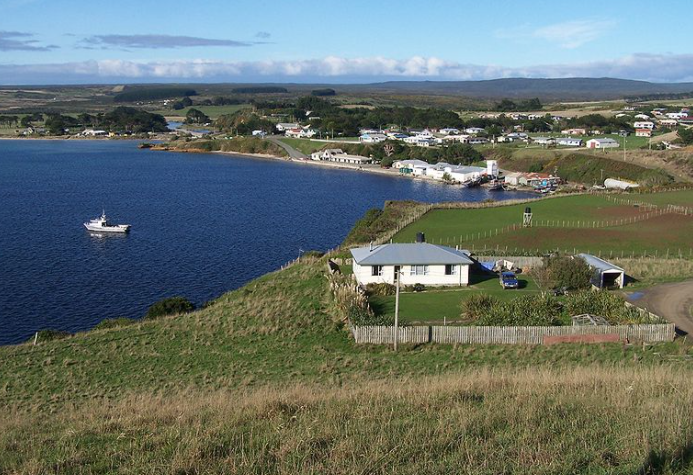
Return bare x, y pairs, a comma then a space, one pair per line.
293, 153
671, 301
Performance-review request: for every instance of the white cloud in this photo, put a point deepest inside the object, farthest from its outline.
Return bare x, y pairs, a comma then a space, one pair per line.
573, 34
651, 67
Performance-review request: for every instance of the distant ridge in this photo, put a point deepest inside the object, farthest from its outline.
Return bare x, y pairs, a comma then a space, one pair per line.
546, 89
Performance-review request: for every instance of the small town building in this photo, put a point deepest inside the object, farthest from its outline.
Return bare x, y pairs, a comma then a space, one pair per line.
668, 122
372, 138
545, 141
416, 263
606, 274
644, 124
569, 142
602, 143
643, 132
574, 131
284, 126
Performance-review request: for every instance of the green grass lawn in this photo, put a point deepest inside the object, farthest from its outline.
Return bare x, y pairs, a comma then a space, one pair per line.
438, 306
681, 198
304, 145
572, 228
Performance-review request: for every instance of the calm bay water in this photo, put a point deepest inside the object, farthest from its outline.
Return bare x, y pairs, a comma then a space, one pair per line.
202, 225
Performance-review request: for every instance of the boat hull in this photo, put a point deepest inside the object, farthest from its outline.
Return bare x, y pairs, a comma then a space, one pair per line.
120, 229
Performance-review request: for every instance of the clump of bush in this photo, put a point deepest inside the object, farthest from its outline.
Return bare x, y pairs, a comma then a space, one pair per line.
564, 272
170, 306
50, 335
380, 290
478, 305
530, 310
603, 304
360, 316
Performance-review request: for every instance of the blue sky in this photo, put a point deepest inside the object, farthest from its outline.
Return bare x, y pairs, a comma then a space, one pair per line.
71, 41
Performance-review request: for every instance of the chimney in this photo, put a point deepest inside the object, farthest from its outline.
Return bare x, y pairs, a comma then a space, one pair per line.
420, 237
370, 247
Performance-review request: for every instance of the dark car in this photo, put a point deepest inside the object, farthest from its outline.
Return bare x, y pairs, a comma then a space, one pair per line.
508, 280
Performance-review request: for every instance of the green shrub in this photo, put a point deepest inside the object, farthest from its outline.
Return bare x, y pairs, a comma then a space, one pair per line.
50, 335
418, 287
530, 310
477, 305
570, 273
170, 306
380, 290
609, 305
536, 167
360, 316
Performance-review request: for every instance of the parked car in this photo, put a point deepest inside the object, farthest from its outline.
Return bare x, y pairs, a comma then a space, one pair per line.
508, 280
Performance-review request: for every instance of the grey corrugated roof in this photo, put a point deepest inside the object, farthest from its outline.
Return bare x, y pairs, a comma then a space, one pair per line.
599, 264
409, 254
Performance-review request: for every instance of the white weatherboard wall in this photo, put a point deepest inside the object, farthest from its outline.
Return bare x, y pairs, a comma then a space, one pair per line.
435, 276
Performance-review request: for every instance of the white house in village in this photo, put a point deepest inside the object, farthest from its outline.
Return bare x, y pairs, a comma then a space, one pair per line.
601, 143
574, 131
544, 141
474, 130
643, 132
284, 126
372, 138
569, 142
416, 263
644, 124
94, 133
339, 156
668, 122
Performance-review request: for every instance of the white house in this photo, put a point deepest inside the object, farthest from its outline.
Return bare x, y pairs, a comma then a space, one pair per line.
416, 263
449, 131
409, 163
339, 156
94, 133
644, 124
601, 143
676, 115
641, 116
468, 139
643, 132
474, 130
668, 122
544, 141
569, 142
259, 133
372, 138
574, 131
296, 132
284, 126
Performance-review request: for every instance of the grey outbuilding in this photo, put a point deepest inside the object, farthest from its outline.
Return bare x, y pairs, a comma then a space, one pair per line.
606, 274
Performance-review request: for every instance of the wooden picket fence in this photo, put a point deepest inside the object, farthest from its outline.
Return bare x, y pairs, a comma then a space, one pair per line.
491, 335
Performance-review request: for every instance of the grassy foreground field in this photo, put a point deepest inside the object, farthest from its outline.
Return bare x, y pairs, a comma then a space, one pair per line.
267, 380
590, 420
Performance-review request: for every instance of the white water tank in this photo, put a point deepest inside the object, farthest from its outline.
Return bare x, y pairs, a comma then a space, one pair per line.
492, 167
614, 184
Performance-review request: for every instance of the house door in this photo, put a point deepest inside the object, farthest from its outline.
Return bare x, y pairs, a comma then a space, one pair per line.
397, 273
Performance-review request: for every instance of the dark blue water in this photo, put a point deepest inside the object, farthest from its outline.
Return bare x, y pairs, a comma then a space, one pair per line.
201, 225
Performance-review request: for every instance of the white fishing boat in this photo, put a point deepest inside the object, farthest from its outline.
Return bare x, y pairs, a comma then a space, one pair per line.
101, 225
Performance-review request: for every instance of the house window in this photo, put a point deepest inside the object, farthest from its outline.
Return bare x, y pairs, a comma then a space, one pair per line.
450, 269
418, 270
376, 271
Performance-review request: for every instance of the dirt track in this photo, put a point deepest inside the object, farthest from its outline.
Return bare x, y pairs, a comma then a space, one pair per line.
671, 301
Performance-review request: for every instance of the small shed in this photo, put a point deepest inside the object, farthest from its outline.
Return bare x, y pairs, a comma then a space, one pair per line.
606, 274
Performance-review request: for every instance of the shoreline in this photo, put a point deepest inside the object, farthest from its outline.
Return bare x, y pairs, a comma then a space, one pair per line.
373, 169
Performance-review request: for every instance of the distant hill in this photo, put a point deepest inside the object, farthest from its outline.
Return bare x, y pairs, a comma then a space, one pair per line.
546, 89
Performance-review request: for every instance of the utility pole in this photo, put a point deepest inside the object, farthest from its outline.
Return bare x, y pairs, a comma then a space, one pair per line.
396, 336
624, 148
601, 174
